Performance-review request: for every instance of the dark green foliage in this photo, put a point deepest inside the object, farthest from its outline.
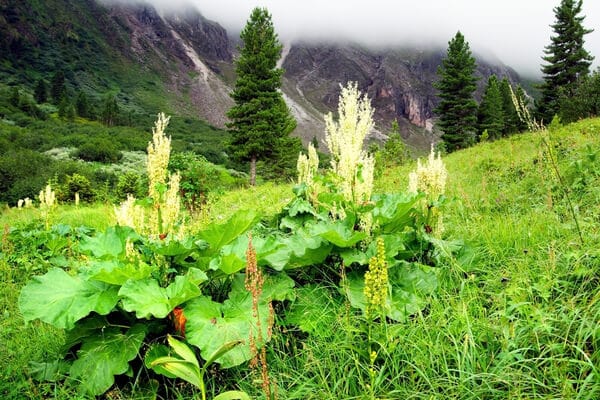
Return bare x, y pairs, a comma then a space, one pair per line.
22, 174
58, 89
566, 58
76, 183
110, 111
457, 109
260, 120
585, 101
100, 150
200, 177
82, 106
40, 92
129, 183
15, 97
393, 152
66, 110
491, 112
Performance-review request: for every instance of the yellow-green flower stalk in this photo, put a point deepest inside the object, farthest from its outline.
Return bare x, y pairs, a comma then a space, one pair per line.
308, 165
159, 151
163, 189
47, 199
130, 214
377, 284
430, 179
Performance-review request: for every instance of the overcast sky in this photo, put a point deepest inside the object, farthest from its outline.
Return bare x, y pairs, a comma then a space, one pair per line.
515, 31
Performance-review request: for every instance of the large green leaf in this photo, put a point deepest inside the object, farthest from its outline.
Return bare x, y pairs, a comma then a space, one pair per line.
61, 299
117, 272
393, 212
218, 235
105, 355
232, 395
172, 247
232, 257
410, 284
337, 233
146, 298
211, 325
276, 287
298, 250
108, 244
393, 243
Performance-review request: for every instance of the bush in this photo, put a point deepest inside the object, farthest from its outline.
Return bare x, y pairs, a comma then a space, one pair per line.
22, 174
200, 177
77, 184
99, 150
129, 183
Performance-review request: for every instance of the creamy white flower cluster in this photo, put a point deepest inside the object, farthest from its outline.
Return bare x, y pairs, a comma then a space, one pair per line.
430, 179
308, 165
345, 139
166, 203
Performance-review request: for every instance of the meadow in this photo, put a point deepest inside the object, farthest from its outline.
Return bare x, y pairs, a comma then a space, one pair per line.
503, 306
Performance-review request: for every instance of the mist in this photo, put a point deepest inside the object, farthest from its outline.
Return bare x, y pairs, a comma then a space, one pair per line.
514, 32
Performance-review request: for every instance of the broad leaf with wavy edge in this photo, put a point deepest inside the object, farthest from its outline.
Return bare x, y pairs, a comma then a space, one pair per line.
61, 299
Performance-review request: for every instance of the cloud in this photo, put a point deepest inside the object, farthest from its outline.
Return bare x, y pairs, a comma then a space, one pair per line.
514, 31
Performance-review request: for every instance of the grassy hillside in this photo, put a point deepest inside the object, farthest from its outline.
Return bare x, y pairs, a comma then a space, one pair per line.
515, 317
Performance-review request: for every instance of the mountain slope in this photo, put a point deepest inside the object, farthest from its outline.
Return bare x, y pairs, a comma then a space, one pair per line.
182, 63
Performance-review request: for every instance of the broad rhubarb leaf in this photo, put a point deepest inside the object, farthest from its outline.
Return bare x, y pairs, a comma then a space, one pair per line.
61, 299
101, 357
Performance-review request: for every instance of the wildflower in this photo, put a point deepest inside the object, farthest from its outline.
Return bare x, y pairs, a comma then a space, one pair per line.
130, 214
307, 165
159, 151
430, 179
47, 197
345, 140
376, 283
172, 204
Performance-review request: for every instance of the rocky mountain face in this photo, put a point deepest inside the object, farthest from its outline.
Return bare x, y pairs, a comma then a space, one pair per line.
194, 58
399, 81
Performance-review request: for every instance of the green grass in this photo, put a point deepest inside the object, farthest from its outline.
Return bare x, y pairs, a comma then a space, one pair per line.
518, 319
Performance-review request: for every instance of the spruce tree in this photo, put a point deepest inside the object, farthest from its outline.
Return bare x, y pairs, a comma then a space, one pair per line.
58, 90
110, 112
40, 92
566, 58
491, 111
260, 120
457, 109
82, 106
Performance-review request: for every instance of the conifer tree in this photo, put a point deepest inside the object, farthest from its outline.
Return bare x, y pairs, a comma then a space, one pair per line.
82, 105
110, 112
260, 120
566, 58
40, 92
58, 89
491, 111
457, 110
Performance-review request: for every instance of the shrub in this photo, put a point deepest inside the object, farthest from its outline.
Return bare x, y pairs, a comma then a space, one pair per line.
130, 183
99, 150
77, 183
200, 177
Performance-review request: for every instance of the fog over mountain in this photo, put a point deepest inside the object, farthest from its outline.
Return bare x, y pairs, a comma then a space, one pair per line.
513, 31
